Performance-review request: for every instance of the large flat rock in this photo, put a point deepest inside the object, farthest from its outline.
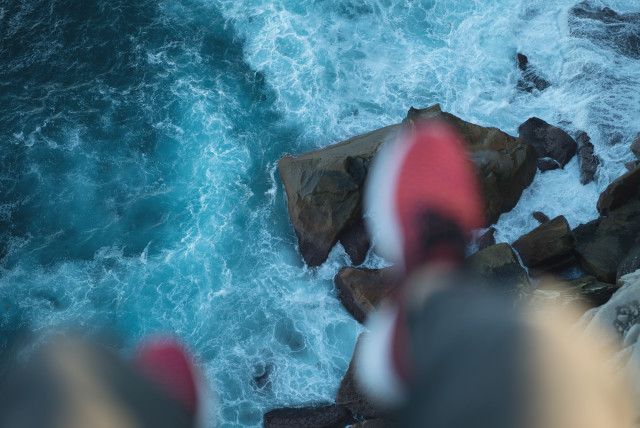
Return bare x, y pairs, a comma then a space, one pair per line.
324, 187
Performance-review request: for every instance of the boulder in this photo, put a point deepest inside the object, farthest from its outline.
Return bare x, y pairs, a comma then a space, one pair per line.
604, 244
541, 217
487, 239
530, 79
506, 165
329, 416
497, 267
587, 160
360, 290
635, 146
548, 247
324, 193
324, 187
351, 396
621, 190
548, 140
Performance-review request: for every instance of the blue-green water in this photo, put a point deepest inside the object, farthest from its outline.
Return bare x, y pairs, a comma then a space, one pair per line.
139, 141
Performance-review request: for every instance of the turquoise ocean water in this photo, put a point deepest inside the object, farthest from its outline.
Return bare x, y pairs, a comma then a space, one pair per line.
139, 141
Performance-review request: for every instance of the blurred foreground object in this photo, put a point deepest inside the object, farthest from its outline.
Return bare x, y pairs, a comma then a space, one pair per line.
71, 383
445, 351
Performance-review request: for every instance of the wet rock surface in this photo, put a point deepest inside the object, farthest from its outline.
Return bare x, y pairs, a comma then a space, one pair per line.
487, 239
360, 290
548, 140
587, 160
619, 192
548, 247
531, 78
497, 267
541, 217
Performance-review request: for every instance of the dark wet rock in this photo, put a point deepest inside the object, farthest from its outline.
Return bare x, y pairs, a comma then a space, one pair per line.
585, 231
594, 292
373, 423
621, 190
506, 165
548, 140
324, 192
330, 416
635, 146
541, 217
606, 28
587, 160
324, 187
356, 242
487, 239
547, 164
548, 247
360, 290
351, 396
631, 262
604, 244
497, 267
632, 165
531, 78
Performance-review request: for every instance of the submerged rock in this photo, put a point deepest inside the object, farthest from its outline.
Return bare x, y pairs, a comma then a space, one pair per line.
329, 416
324, 187
632, 165
497, 267
530, 78
606, 28
548, 164
360, 290
587, 160
548, 140
548, 247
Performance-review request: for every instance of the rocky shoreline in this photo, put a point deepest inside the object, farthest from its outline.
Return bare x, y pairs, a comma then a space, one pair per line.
324, 194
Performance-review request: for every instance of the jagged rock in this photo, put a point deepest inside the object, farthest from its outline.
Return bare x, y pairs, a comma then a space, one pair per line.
631, 262
541, 217
548, 140
635, 146
324, 187
580, 294
620, 190
548, 247
324, 192
587, 160
547, 164
360, 290
530, 79
497, 267
487, 239
617, 31
632, 165
330, 416
351, 396
607, 242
